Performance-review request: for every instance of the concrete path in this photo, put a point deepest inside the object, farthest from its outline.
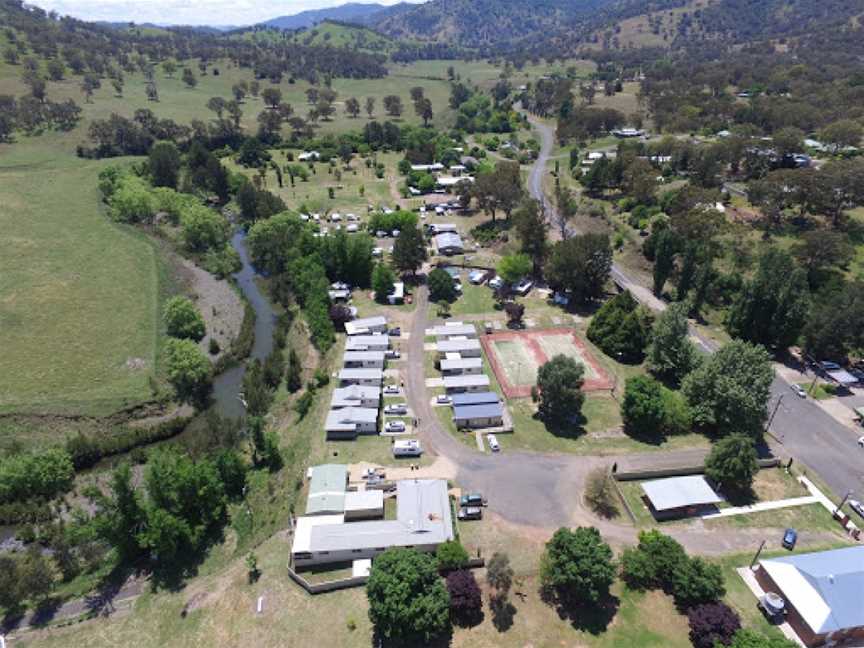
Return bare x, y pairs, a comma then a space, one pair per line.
753, 585
763, 506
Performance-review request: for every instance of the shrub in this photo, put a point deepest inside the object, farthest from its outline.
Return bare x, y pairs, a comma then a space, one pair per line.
712, 624
466, 603
652, 562
577, 566
621, 328
182, 319
600, 493
695, 581
451, 555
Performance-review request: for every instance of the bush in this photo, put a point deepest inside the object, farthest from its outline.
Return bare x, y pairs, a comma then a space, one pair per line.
466, 603
651, 410
600, 493
86, 451
577, 566
712, 624
451, 555
695, 582
182, 319
43, 475
652, 562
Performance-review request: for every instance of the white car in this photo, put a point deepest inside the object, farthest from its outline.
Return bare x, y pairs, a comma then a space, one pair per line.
477, 277
493, 442
381, 234
395, 233
861, 441
394, 426
391, 389
392, 354
496, 282
799, 390
442, 399
377, 251
523, 287
396, 408
856, 506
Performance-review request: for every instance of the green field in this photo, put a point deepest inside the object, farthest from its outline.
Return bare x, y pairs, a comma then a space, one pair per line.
78, 294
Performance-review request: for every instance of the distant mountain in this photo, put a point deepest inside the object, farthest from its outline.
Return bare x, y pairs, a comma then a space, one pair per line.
352, 12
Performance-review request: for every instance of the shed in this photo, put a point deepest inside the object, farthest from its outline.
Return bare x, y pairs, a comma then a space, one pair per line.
679, 496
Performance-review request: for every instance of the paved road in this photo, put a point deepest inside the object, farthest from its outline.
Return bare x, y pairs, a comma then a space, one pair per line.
806, 432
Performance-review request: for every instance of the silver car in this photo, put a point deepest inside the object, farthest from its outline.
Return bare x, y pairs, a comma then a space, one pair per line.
856, 506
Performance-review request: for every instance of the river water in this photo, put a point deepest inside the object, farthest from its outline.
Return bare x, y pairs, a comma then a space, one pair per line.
228, 385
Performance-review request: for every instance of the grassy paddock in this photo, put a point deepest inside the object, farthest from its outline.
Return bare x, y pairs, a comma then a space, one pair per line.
80, 295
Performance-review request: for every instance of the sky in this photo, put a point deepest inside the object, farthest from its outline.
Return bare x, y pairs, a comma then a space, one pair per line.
189, 12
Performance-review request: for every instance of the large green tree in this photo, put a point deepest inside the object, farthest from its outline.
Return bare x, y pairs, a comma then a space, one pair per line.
182, 319
834, 328
531, 225
732, 464
189, 370
514, 267
772, 308
729, 392
581, 265
164, 163
671, 354
651, 410
383, 278
621, 328
560, 384
409, 250
442, 287
408, 602
578, 566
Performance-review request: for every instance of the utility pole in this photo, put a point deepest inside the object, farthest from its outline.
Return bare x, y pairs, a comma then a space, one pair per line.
756, 556
774, 413
845, 497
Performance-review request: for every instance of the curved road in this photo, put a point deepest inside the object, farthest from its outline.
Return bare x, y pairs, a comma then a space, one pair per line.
804, 429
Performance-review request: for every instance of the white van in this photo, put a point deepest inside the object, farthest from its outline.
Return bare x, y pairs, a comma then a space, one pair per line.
407, 448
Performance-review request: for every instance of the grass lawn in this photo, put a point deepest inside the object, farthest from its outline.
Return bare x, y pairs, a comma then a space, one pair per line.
475, 300
79, 313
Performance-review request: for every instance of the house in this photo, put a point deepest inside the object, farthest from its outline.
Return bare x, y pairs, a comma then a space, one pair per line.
441, 228
363, 360
329, 495
466, 348
367, 343
459, 366
428, 168
678, 497
366, 326
368, 377
398, 294
454, 329
309, 156
349, 422
356, 396
466, 383
479, 416
449, 243
475, 398
327, 486
449, 182
423, 521
822, 591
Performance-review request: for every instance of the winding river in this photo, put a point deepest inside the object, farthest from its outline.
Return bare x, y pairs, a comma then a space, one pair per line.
228, 385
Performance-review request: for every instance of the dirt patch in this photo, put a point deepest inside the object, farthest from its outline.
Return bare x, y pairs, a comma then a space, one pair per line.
220, 306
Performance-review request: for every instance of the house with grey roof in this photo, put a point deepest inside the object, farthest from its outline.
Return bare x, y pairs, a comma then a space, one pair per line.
368, 377
350, 422
466, 383
356, 396
455, 329
459, 366
478, 416
367, 325
423, 521
367, 343
676, 497
474, 398
449, 243
363, 360
327, 486
822, 591
466, 347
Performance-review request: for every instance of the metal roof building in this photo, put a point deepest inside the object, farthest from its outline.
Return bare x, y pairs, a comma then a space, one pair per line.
461, 365
450, 330
486, 415
467, 347
327, 489
679, 496
348, 422
355, 396
366, 325
423, 521
361, 376
468, 382
367, 343
823, 592
476, 398
449, 243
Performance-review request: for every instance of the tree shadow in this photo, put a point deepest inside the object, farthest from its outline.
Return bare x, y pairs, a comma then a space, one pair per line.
12, 619
45, 611
568, 429
442, 641
593, 619
101, 601
503, 613
469, 620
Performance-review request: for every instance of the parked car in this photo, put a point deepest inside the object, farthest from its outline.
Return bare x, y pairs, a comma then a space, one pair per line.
377, 251
790, 537
395, 233
857, 506
829, 366
493, 442
470, 513
523, 287
394, 426
392, 354
391, 389
442, 399
472, 499
861, 442
799, 390
396, 331
396, 408
477, 277
496, 282
381, 234
560, 298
